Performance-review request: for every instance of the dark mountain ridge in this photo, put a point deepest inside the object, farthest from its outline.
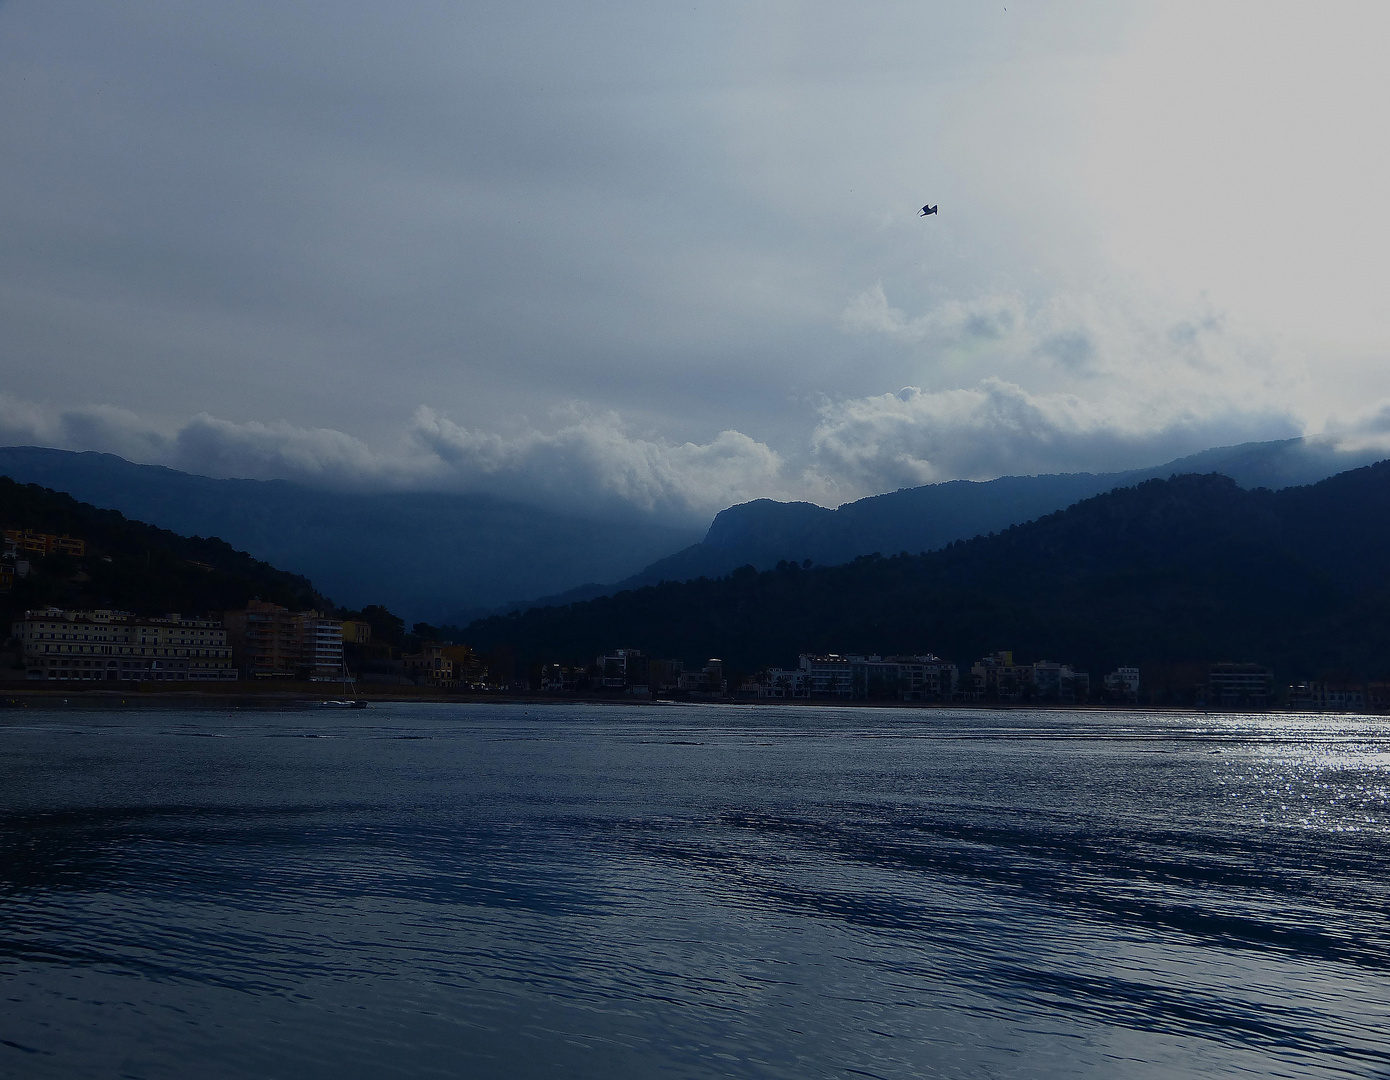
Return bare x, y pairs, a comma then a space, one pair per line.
763, 532
1190, 569
432, 556
132, 566
448, 558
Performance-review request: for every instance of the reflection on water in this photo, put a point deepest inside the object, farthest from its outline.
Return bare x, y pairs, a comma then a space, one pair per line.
770, 892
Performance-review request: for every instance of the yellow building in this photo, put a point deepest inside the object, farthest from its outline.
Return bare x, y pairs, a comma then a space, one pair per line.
431, 666
28, 542
357, 632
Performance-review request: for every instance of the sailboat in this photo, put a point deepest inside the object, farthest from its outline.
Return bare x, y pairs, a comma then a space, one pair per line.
352, 701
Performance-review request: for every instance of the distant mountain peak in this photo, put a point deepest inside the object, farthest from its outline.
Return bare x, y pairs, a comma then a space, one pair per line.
764, 532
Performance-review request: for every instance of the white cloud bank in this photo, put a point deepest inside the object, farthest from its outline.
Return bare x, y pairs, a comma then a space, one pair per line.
1079, 384
997, 428
589, 460
592, 458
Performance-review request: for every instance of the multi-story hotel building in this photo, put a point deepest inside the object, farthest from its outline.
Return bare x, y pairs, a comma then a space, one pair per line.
901, 678
116, 646
270, 641
321, 646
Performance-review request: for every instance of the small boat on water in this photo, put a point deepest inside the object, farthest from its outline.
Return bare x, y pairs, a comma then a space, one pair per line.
353, 702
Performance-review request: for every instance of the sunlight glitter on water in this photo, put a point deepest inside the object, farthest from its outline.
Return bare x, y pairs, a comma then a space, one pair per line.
499, 891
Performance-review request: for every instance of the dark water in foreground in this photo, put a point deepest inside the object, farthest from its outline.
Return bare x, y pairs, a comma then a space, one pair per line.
499, 891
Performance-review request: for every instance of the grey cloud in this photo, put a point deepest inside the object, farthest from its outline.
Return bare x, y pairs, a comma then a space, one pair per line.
294, 222
1101, 341
1073, 350
586, 461
997, 428
591, 460
106, 428
994, 324
334, 211
1369, 431
987, 318
322, 456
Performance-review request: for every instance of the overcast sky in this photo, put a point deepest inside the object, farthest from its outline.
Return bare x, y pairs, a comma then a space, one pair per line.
667, 256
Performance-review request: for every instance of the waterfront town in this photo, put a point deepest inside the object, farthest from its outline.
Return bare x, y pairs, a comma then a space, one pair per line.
269, 644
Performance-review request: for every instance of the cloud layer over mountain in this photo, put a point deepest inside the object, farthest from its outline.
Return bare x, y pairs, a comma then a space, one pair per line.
666, 258
592, 460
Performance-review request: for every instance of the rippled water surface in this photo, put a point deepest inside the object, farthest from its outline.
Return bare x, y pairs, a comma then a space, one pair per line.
513, 891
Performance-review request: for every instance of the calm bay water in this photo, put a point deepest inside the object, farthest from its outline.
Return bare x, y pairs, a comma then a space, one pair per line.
490, 891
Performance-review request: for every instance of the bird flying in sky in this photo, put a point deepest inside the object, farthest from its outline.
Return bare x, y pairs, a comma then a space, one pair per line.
927, 210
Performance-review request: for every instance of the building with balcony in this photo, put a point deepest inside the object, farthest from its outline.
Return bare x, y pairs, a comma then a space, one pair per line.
856, 677
1328, 697
271, 642
1122, 685
116, 646
780, 684
623, 669
827, 675
563, 678
1059, 684
1239, 686
997, 678
320, 647
22, 542
708, 681
430, 666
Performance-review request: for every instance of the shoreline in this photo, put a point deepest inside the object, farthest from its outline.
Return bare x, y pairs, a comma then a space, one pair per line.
305, 695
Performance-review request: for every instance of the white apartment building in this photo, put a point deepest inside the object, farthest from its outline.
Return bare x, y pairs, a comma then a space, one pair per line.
863, 678
1122, 684
322, 644
116, 646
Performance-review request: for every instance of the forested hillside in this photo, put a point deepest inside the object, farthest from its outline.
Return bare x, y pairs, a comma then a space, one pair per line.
764, 533
1191, 569
430, 555
133, 566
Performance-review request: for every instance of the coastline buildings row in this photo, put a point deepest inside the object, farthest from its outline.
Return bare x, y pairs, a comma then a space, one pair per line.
265, 642
997, 677
927, 677
262, 642
628, 671
834, 676
1322, 696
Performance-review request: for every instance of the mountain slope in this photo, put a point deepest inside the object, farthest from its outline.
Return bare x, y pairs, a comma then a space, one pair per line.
763, 533
132, 566
437, 557
1192, 569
